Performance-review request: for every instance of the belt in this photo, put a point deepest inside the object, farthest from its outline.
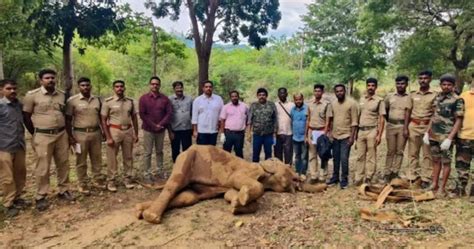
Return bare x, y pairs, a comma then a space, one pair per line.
229, 131
317, 129
396, 122
120, 127
366, 128
88, 129
49, 131
420, 121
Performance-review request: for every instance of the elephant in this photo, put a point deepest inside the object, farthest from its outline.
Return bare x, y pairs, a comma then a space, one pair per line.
205, 171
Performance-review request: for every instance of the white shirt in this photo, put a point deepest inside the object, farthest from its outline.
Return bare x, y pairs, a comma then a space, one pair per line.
284, 120
206, 113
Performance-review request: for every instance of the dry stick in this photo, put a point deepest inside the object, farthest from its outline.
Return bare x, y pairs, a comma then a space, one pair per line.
180, 235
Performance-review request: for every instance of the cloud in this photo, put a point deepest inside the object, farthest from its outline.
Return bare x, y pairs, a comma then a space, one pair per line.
289, 24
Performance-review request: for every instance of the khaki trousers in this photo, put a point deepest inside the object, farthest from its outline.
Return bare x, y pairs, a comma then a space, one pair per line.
396, 143
12, 175
122, 139
415, 143
46, 147
366, 155
90, 146
152, 140
314, 171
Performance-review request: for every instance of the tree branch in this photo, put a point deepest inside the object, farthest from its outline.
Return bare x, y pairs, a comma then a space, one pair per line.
194, 22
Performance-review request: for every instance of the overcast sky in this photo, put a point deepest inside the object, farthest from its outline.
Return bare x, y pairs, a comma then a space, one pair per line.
289, 24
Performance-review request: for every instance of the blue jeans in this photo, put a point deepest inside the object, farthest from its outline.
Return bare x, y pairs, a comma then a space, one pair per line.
258, 141
341, 150
207, 138
301, 157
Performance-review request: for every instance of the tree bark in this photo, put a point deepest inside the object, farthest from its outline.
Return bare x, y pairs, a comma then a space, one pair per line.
67, 63
351, 86
2, 74
154, 48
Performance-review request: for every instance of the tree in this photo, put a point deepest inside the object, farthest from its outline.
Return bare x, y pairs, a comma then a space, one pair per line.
334, 37
453, 19
56, 23
249, 18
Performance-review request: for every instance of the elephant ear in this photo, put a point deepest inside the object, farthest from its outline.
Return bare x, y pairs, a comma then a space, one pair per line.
269, 166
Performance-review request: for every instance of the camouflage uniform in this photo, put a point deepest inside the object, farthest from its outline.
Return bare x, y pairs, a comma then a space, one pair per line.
465, 143
447, 108
263, 118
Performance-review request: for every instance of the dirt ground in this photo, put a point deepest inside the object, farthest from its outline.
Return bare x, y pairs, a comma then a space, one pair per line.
329, 219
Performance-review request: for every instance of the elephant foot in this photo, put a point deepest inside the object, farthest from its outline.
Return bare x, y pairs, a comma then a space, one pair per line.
250, 208
151, 217
244, 195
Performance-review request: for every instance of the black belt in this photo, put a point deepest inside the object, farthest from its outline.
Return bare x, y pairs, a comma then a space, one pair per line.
49, 131
88, 129
396, 122
229, 131
366, 128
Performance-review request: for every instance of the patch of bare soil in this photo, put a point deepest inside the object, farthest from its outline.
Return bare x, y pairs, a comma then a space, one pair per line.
329, 219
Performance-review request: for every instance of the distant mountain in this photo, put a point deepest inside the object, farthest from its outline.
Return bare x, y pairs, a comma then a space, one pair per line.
224, 46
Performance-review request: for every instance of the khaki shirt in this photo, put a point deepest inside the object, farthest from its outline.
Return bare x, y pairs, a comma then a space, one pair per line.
85, 111
119, 111
422, 104
371, 108
319, 111
284, 120
346, 115
47, 109
397, 104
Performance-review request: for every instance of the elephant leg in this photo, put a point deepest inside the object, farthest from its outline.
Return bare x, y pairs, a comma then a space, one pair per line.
184, 199
178, 180
249, 190
233, 194
140, 207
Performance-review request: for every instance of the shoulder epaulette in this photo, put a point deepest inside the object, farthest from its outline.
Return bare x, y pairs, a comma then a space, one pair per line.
72, 97
109, 99
60, 91
34, 91
129, 98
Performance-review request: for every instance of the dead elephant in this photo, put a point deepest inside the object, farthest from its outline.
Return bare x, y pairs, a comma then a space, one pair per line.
203, 172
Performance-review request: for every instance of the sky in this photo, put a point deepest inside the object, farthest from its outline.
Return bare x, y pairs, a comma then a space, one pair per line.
290, 22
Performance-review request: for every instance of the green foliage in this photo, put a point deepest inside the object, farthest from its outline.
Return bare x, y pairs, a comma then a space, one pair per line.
335, 37
249, 18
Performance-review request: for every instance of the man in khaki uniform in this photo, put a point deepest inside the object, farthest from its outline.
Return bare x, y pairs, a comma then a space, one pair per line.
319, 114
417, 120
395, 105
118, 114
12, 149
44, 118
345, 118
371, 124
83, 127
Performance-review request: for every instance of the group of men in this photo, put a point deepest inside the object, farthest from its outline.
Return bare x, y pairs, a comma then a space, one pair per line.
293, 130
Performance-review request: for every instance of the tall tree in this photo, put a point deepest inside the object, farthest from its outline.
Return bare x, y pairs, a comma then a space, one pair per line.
334, 36
249, 18
61, 21
453, 19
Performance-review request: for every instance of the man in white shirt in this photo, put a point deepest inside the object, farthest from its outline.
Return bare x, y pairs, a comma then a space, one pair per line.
205, 117
284, 142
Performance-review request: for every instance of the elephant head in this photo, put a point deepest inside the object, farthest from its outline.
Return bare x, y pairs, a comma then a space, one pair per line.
279, 177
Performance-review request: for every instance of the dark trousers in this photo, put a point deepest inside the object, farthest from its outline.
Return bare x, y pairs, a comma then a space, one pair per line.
181, 139
301, 157
234, 139
262, 140
284, 148
341, 150
207, 138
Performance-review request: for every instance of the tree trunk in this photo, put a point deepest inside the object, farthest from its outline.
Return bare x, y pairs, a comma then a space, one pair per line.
351, 86
67, 63
154, 48
2, 74
203, 71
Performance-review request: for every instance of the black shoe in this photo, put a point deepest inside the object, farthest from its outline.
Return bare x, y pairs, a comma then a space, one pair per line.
344, 185
313, 181
387, 178
471, 194
42, 204
66, 195
394, 176
11, 212
21, 203
368, 181
425, 185
332, 182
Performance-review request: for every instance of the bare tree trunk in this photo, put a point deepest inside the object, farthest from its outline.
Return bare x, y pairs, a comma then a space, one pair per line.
351, 86
154, 48
2, 74
67, 63
203, 63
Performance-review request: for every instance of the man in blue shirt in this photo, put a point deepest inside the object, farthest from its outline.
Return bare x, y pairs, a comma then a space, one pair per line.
299, 115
